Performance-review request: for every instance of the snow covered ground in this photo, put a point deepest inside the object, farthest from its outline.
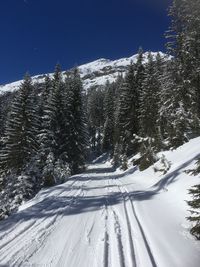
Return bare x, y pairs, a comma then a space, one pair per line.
107, 218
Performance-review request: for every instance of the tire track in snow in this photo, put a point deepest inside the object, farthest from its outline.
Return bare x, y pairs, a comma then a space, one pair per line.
45, 233
127, 194
131, 244
88, 238
114, 224
109, 222
33, 229
106, 242
29, 244
75, 199
88, 232
63, 254
4, 234
119, 239
28, 229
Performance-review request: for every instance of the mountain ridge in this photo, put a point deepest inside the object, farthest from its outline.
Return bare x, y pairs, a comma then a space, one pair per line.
93, 74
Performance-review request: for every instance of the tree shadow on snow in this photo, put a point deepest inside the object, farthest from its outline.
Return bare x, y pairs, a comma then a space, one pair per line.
59, 205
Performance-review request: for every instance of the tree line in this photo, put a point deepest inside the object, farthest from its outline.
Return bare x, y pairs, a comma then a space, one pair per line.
44, 138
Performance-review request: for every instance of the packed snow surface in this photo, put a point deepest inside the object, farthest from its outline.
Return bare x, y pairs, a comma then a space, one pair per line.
108, 218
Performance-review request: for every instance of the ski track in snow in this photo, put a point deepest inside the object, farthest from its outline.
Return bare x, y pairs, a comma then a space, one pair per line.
34, 232
95, 219
119, 233
127, 199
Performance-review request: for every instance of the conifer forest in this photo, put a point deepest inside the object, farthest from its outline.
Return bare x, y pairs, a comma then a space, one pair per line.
51, 131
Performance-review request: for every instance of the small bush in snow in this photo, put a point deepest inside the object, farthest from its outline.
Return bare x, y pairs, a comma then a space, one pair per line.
55, 172
163, 165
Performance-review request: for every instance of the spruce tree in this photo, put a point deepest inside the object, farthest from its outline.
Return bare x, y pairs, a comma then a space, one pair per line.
46, 90
191, 55
139, 72
108, 131
191, 49
1, 118
148, 111
195, 211
184, 98
78, 135
53, 141
96, 118
20, 141
126, 120
176, 119
149, 98
127, 111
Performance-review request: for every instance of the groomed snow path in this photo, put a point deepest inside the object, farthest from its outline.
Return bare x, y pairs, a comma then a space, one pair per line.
102, 218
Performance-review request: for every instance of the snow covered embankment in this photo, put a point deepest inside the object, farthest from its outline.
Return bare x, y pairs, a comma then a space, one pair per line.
108, 218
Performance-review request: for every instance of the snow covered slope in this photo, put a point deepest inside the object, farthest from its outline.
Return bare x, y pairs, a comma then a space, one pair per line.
93, 74
107, 218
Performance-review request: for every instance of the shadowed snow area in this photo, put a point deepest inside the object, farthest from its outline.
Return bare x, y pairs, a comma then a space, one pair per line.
108, 218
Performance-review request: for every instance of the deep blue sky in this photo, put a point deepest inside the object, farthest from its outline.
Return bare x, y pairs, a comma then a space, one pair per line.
36, 34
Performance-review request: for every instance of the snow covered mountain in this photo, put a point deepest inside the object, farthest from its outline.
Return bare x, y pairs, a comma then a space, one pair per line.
95, 73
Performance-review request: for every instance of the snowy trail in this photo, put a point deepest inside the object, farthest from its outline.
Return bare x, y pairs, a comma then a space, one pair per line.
101, 218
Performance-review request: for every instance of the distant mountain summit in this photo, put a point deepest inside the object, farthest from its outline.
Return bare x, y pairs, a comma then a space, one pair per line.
93, 74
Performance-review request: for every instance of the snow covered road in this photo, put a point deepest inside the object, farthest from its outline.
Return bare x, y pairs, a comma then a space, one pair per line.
101, 218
